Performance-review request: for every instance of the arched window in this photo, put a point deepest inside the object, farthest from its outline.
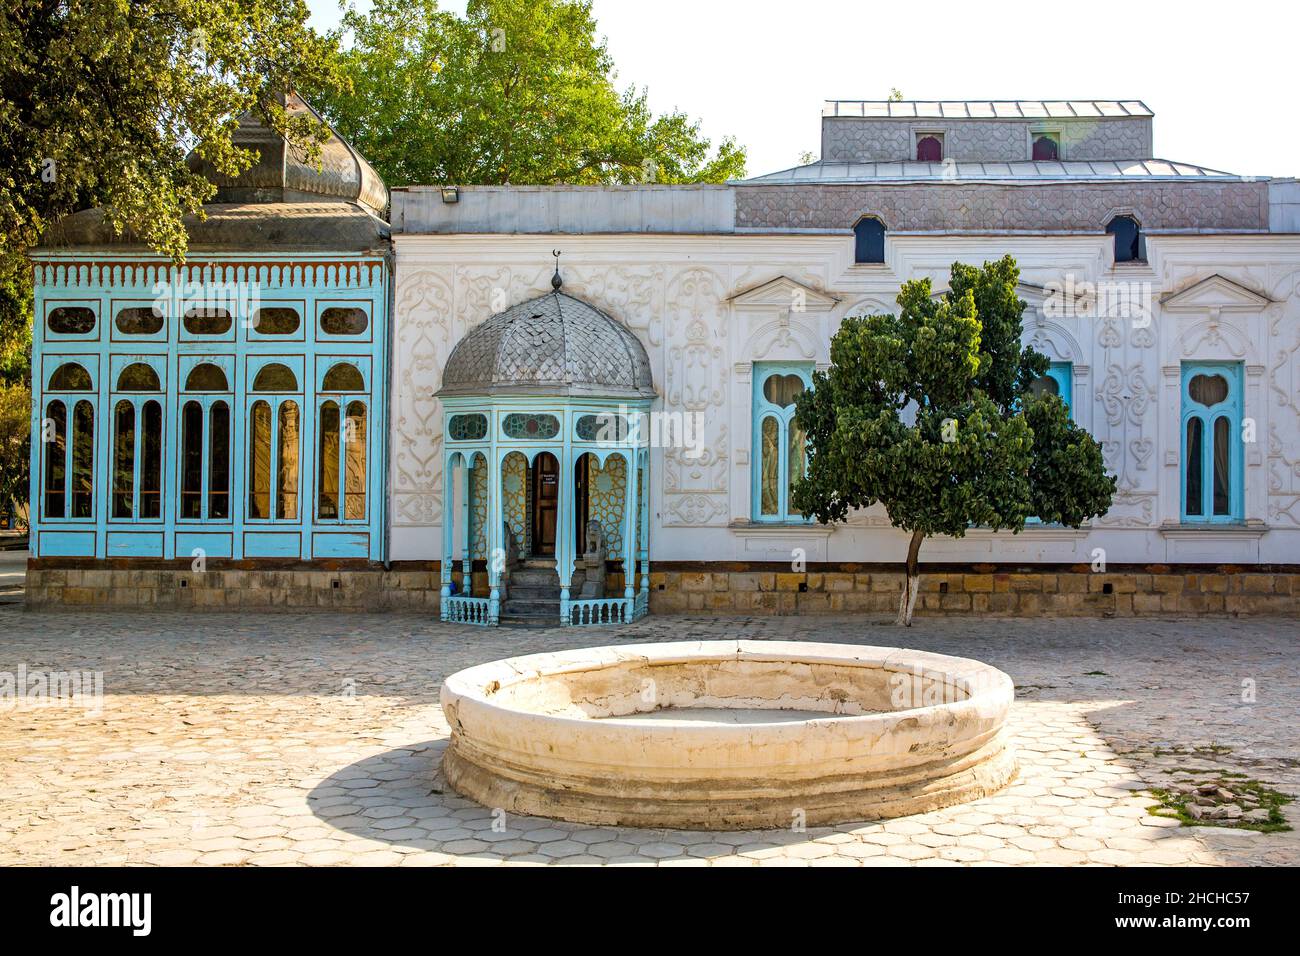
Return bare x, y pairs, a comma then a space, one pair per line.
139, 320
55, 435
1212, 447
83, 460
780, 453
275, 378
340, 320
70, 377
1058, 381
207, 321
929, 149
138, 377
276, 320
1046, 148
137, 459
69, 470
71, 320
869, 240
344, 377
1130, 245
205, 446
342, 461
273, 459
206, 377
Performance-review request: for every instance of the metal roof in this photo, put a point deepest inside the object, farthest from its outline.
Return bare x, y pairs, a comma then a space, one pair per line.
1027, 171
553, 344
241, 227
986, 109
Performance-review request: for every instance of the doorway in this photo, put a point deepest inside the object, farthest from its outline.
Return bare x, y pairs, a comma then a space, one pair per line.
546, 502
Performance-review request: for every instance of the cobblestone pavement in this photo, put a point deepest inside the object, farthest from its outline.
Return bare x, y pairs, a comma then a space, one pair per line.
315, 739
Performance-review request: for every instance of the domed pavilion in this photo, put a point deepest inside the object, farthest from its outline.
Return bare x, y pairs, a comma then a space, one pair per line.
546, 466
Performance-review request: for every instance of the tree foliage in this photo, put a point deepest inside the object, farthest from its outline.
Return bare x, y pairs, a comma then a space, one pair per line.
101, 100
929, 413
516, 91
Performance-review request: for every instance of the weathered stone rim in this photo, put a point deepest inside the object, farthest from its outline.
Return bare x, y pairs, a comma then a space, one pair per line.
751, 774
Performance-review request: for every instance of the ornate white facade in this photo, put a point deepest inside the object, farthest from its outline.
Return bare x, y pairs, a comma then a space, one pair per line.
713, 280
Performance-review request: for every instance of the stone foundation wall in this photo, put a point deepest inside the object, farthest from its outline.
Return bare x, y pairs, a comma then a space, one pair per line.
1155, 589
1074, 591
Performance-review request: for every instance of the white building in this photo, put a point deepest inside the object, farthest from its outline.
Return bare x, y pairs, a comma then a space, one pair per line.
1164, 293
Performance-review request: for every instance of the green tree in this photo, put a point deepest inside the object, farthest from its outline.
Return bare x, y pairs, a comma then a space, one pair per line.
516, 91
15, 446
101, 101
929, 412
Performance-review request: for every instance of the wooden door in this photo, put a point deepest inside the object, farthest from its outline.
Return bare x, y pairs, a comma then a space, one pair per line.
546, 502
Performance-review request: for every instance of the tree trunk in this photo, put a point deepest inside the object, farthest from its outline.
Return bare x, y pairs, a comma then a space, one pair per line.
913, 586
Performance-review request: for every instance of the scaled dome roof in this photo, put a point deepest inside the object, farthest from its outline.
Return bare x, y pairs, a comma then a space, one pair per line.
553, 344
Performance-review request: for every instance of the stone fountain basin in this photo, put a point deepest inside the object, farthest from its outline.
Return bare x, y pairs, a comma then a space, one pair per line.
727, 734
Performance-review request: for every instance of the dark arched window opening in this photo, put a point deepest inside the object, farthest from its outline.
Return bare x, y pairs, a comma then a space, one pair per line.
929, 149
869, 240
1130, 245
1046, 148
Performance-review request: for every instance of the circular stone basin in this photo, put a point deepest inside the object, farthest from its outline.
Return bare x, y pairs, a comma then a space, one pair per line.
727, 734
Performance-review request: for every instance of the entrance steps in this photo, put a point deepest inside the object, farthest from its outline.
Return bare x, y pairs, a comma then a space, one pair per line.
533, 597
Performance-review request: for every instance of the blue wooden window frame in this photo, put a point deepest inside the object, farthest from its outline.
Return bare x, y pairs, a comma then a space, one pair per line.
1231, 409
762, 410
247, 459
207, 401
1062, 373
69, 402
140, 403
343, 402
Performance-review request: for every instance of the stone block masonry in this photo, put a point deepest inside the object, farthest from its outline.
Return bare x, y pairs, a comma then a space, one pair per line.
731, 588
1001, 590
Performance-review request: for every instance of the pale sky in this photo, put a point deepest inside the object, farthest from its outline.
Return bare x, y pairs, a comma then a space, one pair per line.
1221, 79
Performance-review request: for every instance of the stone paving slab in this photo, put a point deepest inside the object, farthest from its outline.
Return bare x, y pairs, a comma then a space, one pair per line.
269, 740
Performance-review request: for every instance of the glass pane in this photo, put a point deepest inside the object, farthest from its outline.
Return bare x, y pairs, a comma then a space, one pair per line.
1046, 149
56, 451
139, 321
83, 460
328, 505
467, 427
530, 426
344, 321
929, 150
797, 459
71, 320
1222, 434
355, 489
286, 499
192, 460
151, 462
207, 321
782, 390
275, 378
1192, 466
138, 377
769, 479
206, 377
259, 461
1208, 389
70, 378
123, 460
278, 320
344, 378
1045, 385
219, 461
605, 427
